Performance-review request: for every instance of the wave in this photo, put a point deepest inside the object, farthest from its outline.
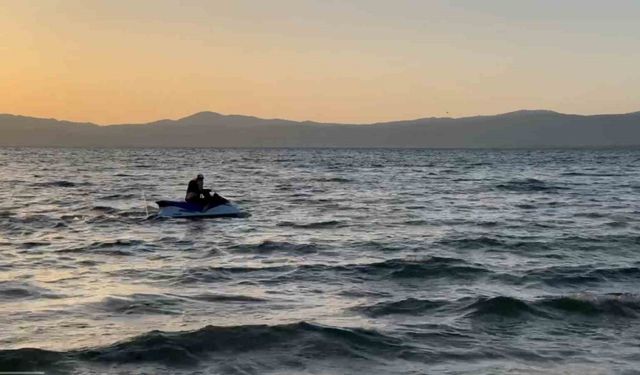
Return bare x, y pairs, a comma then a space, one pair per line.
592, 174
509, 244
29, 223
269, 246
120, 196
528, 185
216, 274
30, 359
33, 244
430, 268
334, 179
105, 209
472, 242
120, 247
140, 304
61, 183
107, 215
285, 187
410, 306
418, 222
211, 297
434, 267
555, 307
617, 224
539, 243
178, 349
489, 224
377, 246
614, 305
472, 307
591, 215
500, 306
562, 276
313, 225
14, 290
526, 206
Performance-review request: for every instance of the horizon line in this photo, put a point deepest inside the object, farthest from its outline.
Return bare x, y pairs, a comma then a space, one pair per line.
318, 122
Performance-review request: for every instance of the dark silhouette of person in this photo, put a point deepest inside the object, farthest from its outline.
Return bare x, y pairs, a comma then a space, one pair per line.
196, 193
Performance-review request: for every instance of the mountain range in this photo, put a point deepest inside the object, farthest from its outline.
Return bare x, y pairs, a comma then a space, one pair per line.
520, 129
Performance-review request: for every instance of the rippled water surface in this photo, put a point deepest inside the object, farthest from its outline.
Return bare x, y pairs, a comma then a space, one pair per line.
351, 261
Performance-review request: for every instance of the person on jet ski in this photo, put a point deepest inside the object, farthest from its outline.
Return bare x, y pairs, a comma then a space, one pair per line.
196, 193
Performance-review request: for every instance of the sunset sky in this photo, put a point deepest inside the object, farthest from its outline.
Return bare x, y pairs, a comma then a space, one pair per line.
343, 61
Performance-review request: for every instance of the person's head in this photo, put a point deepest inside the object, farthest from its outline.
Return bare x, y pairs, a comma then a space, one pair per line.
200, 177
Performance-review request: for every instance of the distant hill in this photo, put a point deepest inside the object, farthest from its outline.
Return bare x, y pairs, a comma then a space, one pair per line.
521, 129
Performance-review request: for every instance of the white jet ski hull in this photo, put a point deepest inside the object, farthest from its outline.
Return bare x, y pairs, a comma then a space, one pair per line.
191, 210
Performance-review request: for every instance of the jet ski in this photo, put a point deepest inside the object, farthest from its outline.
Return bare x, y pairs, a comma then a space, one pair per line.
217, 206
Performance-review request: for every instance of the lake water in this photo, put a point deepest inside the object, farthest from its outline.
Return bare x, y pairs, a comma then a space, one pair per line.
351, 262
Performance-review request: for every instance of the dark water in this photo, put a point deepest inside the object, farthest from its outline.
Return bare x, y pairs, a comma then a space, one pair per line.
352, 261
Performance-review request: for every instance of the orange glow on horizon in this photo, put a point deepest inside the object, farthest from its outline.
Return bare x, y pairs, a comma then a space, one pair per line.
120, 62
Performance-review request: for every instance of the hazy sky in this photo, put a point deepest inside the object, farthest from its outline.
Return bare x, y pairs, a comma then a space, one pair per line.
345, 61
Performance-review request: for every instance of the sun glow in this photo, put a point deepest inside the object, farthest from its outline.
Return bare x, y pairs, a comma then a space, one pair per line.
359, 61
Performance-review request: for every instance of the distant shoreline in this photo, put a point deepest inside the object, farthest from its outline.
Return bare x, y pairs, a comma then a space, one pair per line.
537, 129
134, 148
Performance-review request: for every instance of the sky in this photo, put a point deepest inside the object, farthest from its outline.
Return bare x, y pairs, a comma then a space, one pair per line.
352, 61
